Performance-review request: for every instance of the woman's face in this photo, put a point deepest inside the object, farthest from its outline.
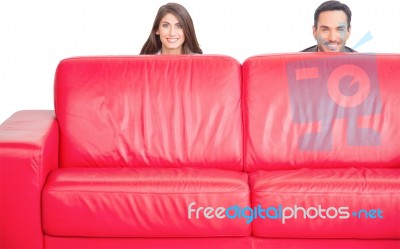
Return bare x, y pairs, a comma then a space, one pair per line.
171, 35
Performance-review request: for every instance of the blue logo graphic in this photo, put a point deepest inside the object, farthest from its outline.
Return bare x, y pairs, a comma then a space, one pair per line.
333, 88
366, 38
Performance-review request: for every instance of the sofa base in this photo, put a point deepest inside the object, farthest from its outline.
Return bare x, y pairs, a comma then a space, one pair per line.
259, 243
216, 243
148, 243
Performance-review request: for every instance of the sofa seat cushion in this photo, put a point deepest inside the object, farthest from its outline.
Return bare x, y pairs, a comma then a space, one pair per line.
144, 202
326, 203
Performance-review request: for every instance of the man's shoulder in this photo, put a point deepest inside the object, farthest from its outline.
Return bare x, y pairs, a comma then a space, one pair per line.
349, 50
310, 49
315, 49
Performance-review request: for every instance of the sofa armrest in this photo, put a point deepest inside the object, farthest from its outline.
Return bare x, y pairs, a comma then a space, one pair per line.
28, 152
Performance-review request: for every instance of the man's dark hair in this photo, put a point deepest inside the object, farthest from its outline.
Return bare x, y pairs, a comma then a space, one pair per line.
332, 5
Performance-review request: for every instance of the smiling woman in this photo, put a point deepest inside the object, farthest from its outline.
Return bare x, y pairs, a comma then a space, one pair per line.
172, 32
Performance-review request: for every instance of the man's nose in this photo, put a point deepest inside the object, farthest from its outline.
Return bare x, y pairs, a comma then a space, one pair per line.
333, 35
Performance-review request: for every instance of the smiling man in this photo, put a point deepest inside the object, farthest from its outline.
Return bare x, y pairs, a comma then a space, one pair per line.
331, 28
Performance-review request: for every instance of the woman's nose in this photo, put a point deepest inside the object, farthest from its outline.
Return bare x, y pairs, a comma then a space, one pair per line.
172, 31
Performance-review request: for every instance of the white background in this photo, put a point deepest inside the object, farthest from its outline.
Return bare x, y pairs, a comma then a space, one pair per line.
36, 34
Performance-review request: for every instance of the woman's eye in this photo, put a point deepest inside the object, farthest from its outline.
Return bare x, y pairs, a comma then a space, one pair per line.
165, 25
179, 26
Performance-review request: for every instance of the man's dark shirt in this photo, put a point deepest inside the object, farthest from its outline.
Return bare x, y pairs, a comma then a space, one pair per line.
315, 49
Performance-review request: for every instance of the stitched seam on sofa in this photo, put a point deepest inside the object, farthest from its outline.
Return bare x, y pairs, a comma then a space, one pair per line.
329, 193
45, 137
147, 193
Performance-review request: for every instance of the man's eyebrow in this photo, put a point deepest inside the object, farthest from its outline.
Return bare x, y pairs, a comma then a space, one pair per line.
324, 27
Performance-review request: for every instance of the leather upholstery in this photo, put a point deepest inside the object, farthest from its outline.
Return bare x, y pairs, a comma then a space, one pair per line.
199, 151
28, 152
321, 139
327, 203
164, 112
296, 115
142, 202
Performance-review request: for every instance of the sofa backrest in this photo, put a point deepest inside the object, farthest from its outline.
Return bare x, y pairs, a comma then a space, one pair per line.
158, 111
321, 110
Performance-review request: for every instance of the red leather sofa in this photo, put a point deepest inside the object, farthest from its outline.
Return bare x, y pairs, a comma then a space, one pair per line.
294, 150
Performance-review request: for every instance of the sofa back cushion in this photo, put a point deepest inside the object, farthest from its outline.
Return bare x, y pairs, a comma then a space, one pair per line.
321, 110
161, 111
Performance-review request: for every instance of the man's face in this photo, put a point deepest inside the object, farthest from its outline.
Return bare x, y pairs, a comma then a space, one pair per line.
332, 31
